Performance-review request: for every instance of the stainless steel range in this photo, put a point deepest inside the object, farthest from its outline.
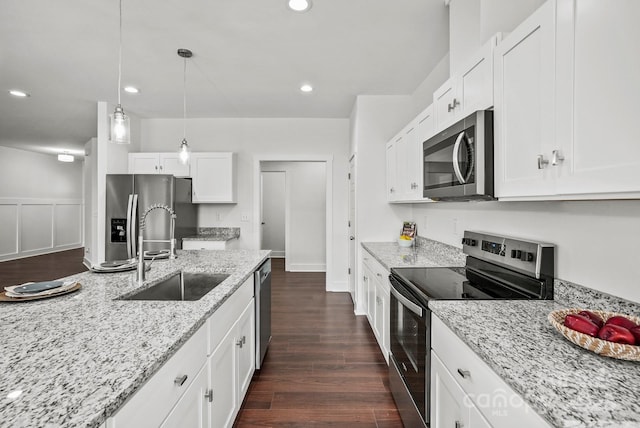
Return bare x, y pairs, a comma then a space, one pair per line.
497, 267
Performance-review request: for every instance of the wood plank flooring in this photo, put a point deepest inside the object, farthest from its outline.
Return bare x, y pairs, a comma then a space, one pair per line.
41, 268
323, 368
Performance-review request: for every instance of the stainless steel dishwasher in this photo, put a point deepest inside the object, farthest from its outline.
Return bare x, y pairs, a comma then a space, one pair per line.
262, 293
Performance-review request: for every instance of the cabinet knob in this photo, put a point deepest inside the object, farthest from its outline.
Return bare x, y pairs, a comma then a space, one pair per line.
160, 167
209, 395
180, 380
542, 162
156, 167
556, 157
464, 373
392, 190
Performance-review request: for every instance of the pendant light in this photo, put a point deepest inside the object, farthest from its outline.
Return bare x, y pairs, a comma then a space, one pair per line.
184, 152
119, 121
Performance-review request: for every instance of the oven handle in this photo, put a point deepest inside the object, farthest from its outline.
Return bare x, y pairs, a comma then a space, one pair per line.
406, 302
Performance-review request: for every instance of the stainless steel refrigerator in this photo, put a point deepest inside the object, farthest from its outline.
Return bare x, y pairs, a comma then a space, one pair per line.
128, 197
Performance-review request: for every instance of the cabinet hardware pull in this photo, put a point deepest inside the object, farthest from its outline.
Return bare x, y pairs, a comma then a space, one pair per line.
209, 395
160, 167
459, 424
239, 343
180, 380
452, 106
156, 167
556, 157
542, 162
244, 339
392, 190
464, 373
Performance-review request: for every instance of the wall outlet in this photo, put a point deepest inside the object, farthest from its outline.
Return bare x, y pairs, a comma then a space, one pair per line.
245, 217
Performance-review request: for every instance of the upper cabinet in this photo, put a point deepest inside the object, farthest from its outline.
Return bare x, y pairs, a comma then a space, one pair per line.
468, 90
404, 159
565, 89
157, 163
214, 177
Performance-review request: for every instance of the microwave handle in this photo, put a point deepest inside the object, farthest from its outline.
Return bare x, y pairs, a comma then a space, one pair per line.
456, 151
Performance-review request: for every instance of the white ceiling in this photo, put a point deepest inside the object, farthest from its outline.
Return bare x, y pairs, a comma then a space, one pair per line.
250, 58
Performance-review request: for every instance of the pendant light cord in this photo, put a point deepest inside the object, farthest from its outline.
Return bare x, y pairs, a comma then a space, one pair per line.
184, 100
120, 56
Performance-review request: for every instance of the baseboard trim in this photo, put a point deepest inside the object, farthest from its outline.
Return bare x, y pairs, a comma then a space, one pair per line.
338, 286
310, 267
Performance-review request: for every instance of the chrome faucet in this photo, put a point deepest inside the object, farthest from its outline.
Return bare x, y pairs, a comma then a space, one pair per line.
172, 241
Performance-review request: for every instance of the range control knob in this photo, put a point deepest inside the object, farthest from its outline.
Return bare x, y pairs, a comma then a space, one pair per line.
470, 242
526, 256
513, 254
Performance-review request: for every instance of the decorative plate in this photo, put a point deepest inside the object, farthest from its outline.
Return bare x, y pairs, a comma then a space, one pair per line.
44, 295
593, 344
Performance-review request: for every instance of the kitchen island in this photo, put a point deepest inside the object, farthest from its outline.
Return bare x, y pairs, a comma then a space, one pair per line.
77, 358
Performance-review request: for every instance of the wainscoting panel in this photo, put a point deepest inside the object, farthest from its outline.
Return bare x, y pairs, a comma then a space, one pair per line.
8, 231
39, 226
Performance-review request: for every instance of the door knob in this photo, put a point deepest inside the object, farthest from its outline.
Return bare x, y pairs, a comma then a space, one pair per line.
351, 238
262, 222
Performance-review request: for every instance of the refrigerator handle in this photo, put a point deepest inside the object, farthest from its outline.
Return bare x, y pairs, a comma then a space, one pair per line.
132, 214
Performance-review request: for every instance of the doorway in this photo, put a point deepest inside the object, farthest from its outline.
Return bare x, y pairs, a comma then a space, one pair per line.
273, 190
293, 211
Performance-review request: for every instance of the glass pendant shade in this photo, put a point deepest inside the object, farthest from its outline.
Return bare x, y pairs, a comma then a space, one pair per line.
185, 152
120, 128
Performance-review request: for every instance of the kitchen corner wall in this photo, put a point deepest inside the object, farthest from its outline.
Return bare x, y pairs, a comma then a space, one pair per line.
40, 204
251, 138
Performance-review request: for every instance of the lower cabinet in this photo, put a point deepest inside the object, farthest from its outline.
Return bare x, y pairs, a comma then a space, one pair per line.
204, 382
466, 393
375, 281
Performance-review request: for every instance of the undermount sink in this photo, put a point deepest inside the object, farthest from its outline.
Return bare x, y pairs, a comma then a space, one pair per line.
180, 286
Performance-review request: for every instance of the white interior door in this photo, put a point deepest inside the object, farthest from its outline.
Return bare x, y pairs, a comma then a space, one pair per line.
273, 209
352, 228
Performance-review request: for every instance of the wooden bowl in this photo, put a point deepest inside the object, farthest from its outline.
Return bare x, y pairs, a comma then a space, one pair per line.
593, 344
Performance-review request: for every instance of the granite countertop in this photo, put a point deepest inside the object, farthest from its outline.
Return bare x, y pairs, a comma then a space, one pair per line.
427, 253
77, 358
214, 234
565, 384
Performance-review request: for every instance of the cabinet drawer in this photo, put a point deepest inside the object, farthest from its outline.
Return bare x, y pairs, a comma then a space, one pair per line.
224, 317
150, 405
500, 404
376, 268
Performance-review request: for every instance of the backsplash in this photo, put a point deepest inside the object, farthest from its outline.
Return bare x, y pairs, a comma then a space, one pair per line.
220, 232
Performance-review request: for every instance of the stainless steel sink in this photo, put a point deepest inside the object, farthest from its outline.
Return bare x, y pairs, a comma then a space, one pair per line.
180, 286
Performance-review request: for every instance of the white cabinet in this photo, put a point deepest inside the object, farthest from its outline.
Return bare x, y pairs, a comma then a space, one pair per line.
157, 163
568, 78
468, 90
191, 411
204, 382
376, 286
466, 392
214, 177
524, 118
404, 159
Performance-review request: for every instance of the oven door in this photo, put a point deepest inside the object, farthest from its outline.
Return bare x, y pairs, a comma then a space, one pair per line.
410, 334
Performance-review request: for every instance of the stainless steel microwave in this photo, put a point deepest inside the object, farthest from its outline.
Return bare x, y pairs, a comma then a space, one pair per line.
458, 162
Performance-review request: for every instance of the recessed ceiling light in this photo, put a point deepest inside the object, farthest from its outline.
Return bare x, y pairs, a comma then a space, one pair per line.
299, 5
65, 157
131, 89
306, 88
18, 93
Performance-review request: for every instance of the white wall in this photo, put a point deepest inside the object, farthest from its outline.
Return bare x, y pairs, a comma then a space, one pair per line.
596, 240
375, 120
40, 204
306, 208
251, 138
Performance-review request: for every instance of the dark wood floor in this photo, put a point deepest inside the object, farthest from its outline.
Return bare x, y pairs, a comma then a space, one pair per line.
323, 367
41, 268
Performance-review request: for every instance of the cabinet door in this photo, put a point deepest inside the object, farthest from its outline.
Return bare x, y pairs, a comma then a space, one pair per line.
448, 405
170, 164
382, 317
222, 374
392, 164
599, 144
476, 420
407, 166
213, 177
245, 334
370, 290
424, 130
524, 119
191, 411
144, 163
445, 103
475, 83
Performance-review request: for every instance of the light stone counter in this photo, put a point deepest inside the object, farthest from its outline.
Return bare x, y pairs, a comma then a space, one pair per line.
77, 358
427, 253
